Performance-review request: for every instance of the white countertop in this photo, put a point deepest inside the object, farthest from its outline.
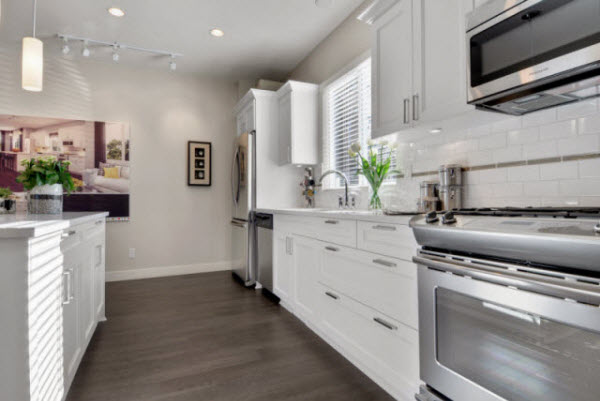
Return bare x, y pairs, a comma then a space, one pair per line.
348, 214
23, 225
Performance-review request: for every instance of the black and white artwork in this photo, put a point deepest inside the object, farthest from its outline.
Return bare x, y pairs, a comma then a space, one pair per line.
199, 163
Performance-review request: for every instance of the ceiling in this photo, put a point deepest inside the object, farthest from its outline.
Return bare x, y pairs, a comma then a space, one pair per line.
263, 38
11, 123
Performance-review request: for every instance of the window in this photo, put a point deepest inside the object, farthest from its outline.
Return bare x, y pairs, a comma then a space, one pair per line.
347, 119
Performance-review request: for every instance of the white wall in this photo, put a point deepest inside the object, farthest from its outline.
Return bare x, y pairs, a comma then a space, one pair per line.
171, 224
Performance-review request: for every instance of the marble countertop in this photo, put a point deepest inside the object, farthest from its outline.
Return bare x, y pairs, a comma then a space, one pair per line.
23, 225
348, 214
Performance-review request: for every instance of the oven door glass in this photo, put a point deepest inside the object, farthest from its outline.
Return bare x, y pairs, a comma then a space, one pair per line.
516, 355
542, 32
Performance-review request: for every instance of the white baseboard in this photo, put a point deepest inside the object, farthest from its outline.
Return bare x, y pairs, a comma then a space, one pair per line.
165, 271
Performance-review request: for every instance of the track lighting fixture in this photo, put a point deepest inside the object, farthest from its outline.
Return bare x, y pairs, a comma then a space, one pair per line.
85, 52
116, 48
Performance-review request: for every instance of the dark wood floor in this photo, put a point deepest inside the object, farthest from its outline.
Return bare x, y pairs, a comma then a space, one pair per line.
204, 337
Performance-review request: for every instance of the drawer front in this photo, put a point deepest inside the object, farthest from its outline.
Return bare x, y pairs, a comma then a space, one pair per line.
386, 346
336, 231
71, 237
395, 240
385, 284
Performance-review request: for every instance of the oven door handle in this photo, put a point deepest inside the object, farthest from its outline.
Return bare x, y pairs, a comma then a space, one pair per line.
577, 291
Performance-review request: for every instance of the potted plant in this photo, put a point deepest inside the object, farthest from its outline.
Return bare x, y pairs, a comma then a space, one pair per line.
375, 167
7, 201
45, 178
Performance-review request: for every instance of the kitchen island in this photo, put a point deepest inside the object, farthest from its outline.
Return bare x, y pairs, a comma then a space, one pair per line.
52, 285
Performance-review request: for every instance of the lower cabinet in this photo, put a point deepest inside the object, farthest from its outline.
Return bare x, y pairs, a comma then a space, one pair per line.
362, 303
83, 294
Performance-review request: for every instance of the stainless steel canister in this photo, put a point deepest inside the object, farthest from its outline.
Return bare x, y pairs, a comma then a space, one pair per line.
451, 197
429, 189
450, 174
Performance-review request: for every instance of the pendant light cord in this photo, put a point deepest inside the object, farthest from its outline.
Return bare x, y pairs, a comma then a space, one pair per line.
34, 15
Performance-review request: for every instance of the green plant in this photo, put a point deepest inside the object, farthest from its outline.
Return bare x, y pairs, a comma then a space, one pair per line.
46, 171
5, 192
114, 150
375, 167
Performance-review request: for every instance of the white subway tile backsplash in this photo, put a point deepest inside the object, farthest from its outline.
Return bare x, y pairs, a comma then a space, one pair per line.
540, 150
493, 176
589, 168
506, 190
576, 110
493, 141
560, 201
523, 173
522, 136
589, 124
559, 171
480, 158
538, 118
589, 201
509, 154
580, 187
541, 189
561, 129
579, 145
510, 123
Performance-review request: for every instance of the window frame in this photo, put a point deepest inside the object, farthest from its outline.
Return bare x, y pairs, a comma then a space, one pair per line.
330, 183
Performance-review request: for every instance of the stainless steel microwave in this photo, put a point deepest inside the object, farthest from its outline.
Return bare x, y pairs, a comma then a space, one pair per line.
528, 55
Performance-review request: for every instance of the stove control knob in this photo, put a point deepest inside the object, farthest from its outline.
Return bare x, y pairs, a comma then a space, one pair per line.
448, 218
597, 228
431, 217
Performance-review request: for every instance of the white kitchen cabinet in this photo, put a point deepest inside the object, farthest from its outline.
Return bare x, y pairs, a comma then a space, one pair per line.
47, 279
418, 62
363, 302
283, 268
391, 69
306, 261
246, 119
298, 123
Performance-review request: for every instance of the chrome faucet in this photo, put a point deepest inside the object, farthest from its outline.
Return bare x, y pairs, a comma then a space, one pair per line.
328, 172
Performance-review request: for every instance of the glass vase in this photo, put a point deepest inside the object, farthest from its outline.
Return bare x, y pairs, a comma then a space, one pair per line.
374, 199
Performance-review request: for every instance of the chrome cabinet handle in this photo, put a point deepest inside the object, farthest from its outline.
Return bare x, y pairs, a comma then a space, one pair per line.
69, 233
332, 249
331, 295
98, 222
384, 263
385, 324
289, 246
384, 228
331, 222
238, 224
406, 108
69, 287
415, 107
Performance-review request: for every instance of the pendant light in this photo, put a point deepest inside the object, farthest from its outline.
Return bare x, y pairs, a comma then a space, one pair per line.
32, 62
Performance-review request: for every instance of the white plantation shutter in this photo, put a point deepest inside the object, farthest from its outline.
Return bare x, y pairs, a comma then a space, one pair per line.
347, 107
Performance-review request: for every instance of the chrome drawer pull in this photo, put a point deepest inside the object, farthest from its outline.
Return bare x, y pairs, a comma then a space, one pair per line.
68, 234
332, 249
384, 228
385, 324
384, 263
98, 222
331, 222
331, 295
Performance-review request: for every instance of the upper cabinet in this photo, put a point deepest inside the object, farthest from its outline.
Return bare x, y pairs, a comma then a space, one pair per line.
298, 123
419, 58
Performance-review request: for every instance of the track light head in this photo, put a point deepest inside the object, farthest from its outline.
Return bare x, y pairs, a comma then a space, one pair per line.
85, 52
172, 64
65, 47
115, 57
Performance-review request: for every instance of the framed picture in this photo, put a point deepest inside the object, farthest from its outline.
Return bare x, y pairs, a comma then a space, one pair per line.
199, 163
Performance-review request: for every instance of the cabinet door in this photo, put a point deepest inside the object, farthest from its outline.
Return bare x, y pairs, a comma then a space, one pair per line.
99, 279
283, 267
392, 70
285, 128
72, 345
440, 88
307, 255
85, 294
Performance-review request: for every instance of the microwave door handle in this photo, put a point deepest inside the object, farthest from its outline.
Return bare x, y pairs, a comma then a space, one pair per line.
585, 293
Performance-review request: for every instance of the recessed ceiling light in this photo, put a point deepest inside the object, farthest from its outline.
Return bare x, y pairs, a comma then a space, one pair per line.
117, 12
435, 130
217, 32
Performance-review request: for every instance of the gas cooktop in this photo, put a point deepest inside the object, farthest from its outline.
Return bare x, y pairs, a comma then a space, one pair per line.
566, 212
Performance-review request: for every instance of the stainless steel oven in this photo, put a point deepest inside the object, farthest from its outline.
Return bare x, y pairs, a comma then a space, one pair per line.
492, 331
526, 55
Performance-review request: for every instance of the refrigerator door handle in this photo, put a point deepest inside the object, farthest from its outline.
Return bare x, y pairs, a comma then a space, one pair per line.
235, 192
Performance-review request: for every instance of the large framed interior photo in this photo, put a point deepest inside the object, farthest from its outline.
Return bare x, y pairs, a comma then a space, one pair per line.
99, 153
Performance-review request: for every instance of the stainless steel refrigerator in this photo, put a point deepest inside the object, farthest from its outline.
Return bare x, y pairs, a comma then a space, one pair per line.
243, 188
